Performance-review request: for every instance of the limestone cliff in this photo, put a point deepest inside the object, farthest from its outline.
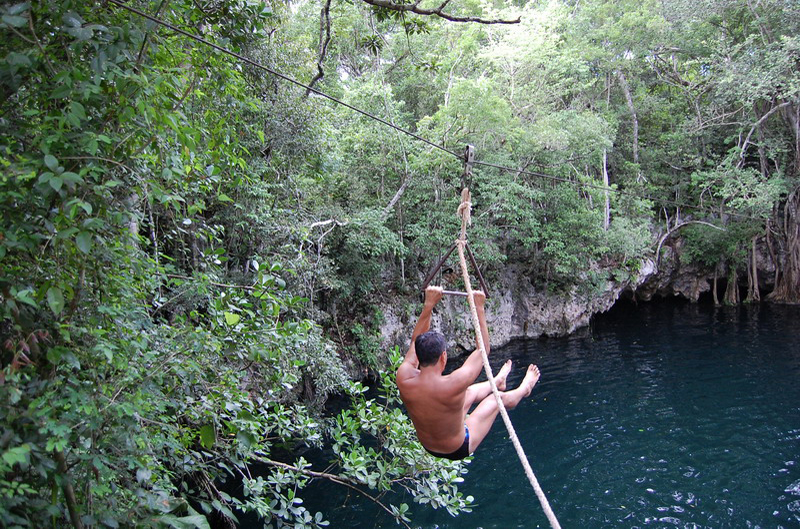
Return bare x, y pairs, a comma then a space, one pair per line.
516, 309
519, 309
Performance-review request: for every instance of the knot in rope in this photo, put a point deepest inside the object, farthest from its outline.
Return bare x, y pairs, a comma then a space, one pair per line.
464, 211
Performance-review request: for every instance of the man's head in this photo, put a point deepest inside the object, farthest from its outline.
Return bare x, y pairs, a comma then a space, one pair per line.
429, 347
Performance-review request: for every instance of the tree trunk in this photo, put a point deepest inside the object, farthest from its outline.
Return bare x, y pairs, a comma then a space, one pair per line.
762, 155
714, 289
771, 249
732, 291
791, 114
787, 288
68, 490
626, 89
607, 218
753, 293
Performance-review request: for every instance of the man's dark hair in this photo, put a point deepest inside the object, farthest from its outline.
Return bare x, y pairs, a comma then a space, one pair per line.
429, 347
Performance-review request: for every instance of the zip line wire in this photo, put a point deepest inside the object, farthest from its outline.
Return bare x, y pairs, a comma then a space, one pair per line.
275, 73
291, 80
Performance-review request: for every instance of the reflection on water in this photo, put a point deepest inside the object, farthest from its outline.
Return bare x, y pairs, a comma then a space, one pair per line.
662, 415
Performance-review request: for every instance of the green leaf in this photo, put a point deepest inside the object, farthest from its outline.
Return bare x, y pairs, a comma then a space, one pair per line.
207, 436
55, 354
51, 162
71, 178
24, 296
61, 91
143, 475
18, 454
55, 299
17, 59
196, 521
15, 20
84, 241
245, 438
78, 109
56, 182
72, 19
231, 318
21, 7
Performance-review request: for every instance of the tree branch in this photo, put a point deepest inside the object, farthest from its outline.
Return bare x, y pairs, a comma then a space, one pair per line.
397, 196
676, 228
626, 90
754, 127
324, 40
213, 283
341, 480
39, 45
69, 492
140, 57
414, 8
406, 173
326, 222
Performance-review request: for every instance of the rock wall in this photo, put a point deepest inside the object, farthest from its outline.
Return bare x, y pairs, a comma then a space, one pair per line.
516, 309
519, 309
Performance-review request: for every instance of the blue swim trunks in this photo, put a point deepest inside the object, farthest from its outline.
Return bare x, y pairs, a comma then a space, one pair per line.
460, 453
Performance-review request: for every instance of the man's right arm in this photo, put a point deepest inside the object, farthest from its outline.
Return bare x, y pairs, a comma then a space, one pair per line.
432, 296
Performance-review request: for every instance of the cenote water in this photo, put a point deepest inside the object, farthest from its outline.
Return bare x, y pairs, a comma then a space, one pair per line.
659, 415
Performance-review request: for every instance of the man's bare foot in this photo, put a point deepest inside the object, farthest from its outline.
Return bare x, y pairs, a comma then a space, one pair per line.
530, 380
500, 378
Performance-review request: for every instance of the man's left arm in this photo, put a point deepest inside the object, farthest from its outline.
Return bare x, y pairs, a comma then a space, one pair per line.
472, 366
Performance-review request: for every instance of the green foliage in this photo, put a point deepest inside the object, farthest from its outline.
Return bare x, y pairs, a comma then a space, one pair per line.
742, 188
360, 252
709, 247
177, 227
150, 356
376, 445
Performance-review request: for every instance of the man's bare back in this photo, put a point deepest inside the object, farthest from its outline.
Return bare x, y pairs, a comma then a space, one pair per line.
438, 404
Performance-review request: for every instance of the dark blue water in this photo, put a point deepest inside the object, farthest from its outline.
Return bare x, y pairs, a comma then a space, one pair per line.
660, 415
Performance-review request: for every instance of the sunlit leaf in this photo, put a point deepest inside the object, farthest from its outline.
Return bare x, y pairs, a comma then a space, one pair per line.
231, 318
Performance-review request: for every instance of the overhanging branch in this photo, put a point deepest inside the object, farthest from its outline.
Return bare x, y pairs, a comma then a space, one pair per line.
676, 228
341, 480
755, 126
439, 12
324, 40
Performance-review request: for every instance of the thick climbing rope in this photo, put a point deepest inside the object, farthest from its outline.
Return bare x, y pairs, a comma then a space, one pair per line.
464, 211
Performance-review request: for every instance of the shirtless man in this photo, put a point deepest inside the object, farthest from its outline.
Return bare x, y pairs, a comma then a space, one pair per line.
438, 404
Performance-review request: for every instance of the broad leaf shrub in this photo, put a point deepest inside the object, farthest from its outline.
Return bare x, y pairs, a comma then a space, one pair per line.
146, 379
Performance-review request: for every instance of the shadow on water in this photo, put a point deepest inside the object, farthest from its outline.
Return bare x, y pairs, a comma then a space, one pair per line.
661, 414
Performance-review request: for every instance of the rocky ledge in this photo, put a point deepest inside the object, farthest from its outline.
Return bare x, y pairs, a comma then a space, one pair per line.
519, 309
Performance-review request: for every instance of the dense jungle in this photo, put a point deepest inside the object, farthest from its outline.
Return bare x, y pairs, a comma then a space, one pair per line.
196, 254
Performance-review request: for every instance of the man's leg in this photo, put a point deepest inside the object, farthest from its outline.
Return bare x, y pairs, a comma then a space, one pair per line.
480, 421
478, 392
